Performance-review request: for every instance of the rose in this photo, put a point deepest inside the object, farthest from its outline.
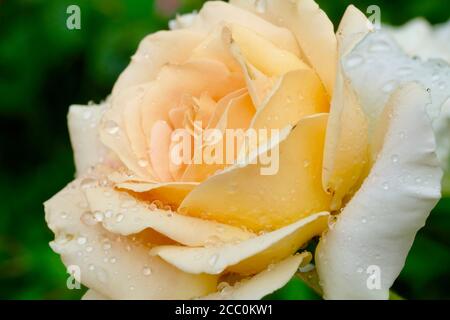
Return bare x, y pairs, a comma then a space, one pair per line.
357, 163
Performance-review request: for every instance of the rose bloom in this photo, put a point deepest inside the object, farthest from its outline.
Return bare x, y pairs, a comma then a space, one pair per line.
358, 168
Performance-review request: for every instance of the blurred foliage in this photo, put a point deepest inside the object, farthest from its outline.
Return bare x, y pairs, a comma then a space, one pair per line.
44, 67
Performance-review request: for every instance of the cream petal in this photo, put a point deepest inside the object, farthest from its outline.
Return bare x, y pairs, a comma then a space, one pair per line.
216, 13
83, 122
262, 284
310, 25
297, 94
262, 197
154, 52
377, 227
93, 295
249, 256
378, 60
346, 146
182, 21
128, 216
115, 266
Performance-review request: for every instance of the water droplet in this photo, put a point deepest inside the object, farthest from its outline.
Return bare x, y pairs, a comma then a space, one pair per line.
63, 215
91, 267
386, 186
112, 127
87, 114
102, 276
389, 86
119, 217
131, 288
332, 219
143, 163
81, 240
404, 71
88, 183
213, 259
379, 46
260, 6
354, 61
306, 163
394, 158
113, 260
98, 215
89, 249
88, 219
108, 214
360, 270
364, 220
146, 271
106, 246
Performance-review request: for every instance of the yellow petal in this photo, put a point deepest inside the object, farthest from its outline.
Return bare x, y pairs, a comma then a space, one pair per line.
249, 256
243, 197
264, 283
216, 13
310, 25
128, 216
346, 156
263, 54
297, 94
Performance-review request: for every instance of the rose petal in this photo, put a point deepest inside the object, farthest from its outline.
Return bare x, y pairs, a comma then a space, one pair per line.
297, 94
114, 266
93, 295
83, 122
263, 54
245, 197
372, 62
378, 226
216, 13
128, 216
417, 38
249, 256
264, 283
346, 147
153, 53
310, 25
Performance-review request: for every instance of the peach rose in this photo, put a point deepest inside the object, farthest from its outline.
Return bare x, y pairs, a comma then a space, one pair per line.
356, 159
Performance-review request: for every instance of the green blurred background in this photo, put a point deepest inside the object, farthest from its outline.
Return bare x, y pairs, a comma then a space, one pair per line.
44, 67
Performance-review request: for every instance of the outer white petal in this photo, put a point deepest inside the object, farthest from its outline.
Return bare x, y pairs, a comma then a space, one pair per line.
182, 21
83, 124
377, 66
378, 226
262, 284
419, 38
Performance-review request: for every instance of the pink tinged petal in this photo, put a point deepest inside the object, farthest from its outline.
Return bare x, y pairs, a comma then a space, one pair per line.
377, 228
160, 141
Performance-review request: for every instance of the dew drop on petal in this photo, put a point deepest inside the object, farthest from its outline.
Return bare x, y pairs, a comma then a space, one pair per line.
112, 127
